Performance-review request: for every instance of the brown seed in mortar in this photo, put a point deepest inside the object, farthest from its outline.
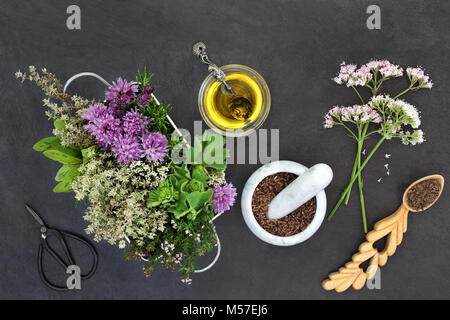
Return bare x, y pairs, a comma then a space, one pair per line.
423, 194
289, 225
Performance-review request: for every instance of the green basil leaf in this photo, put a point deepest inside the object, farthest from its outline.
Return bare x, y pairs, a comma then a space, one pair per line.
53, 143
61, 157
69, 151
72, 173
45, 144
64, 186
62, 172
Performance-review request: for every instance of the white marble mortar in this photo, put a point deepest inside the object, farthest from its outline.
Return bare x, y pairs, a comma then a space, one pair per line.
246, 204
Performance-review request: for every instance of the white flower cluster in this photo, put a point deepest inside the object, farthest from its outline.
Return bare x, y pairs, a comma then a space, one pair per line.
151, 174
397, 114
412, 138
410, 111
417, 75
117, 205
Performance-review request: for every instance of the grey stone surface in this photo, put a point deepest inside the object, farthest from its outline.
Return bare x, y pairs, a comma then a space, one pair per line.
297, 46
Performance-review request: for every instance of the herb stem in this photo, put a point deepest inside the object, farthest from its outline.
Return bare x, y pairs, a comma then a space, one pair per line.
403, 92
360, 183
348, 129
341, 199
355, 164
357, 92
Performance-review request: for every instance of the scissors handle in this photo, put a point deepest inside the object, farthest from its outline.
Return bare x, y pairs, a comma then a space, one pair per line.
61, 235
91, 249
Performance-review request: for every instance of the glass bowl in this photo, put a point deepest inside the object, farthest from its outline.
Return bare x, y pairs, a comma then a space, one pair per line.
226, 126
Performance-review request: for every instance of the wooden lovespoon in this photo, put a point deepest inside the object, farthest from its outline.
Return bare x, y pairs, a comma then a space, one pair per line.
393, 227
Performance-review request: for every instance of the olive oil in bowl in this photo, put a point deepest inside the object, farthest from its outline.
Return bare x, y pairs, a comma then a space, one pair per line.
237, 114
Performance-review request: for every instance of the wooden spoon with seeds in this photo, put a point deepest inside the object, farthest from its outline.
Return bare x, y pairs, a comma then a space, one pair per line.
393, 227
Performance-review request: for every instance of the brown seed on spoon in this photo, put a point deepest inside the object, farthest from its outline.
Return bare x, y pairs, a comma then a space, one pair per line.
419, 196
423, 193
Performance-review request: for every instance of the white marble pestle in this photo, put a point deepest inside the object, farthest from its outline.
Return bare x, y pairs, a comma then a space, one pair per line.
299, 191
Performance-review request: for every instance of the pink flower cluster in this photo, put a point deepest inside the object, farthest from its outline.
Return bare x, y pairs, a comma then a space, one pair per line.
418, 75
345, 73
356, 114
171, 257
387, 69
351, 75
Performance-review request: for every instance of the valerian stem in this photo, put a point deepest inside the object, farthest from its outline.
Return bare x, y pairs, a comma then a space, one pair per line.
355, 165
403, 92
360, 183
357, 92
349, 130
341, 199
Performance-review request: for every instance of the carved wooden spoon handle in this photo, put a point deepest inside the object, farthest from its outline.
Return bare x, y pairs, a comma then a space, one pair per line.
352, 274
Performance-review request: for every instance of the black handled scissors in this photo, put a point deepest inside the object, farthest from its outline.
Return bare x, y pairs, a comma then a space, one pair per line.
61, 236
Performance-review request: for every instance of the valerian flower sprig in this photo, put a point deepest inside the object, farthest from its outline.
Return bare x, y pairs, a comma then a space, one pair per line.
370, 75
390, 117
417, 75
357, 114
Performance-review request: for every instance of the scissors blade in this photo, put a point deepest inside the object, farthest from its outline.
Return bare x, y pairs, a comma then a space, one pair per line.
35, 215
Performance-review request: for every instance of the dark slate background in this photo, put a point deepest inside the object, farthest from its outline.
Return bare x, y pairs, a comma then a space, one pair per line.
297, 46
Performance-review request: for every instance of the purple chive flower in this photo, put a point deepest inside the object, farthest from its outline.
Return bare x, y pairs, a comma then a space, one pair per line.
223, 197
135, 124
126, 148
95, 111
102, 124
120, 94
154, 145
144, 98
